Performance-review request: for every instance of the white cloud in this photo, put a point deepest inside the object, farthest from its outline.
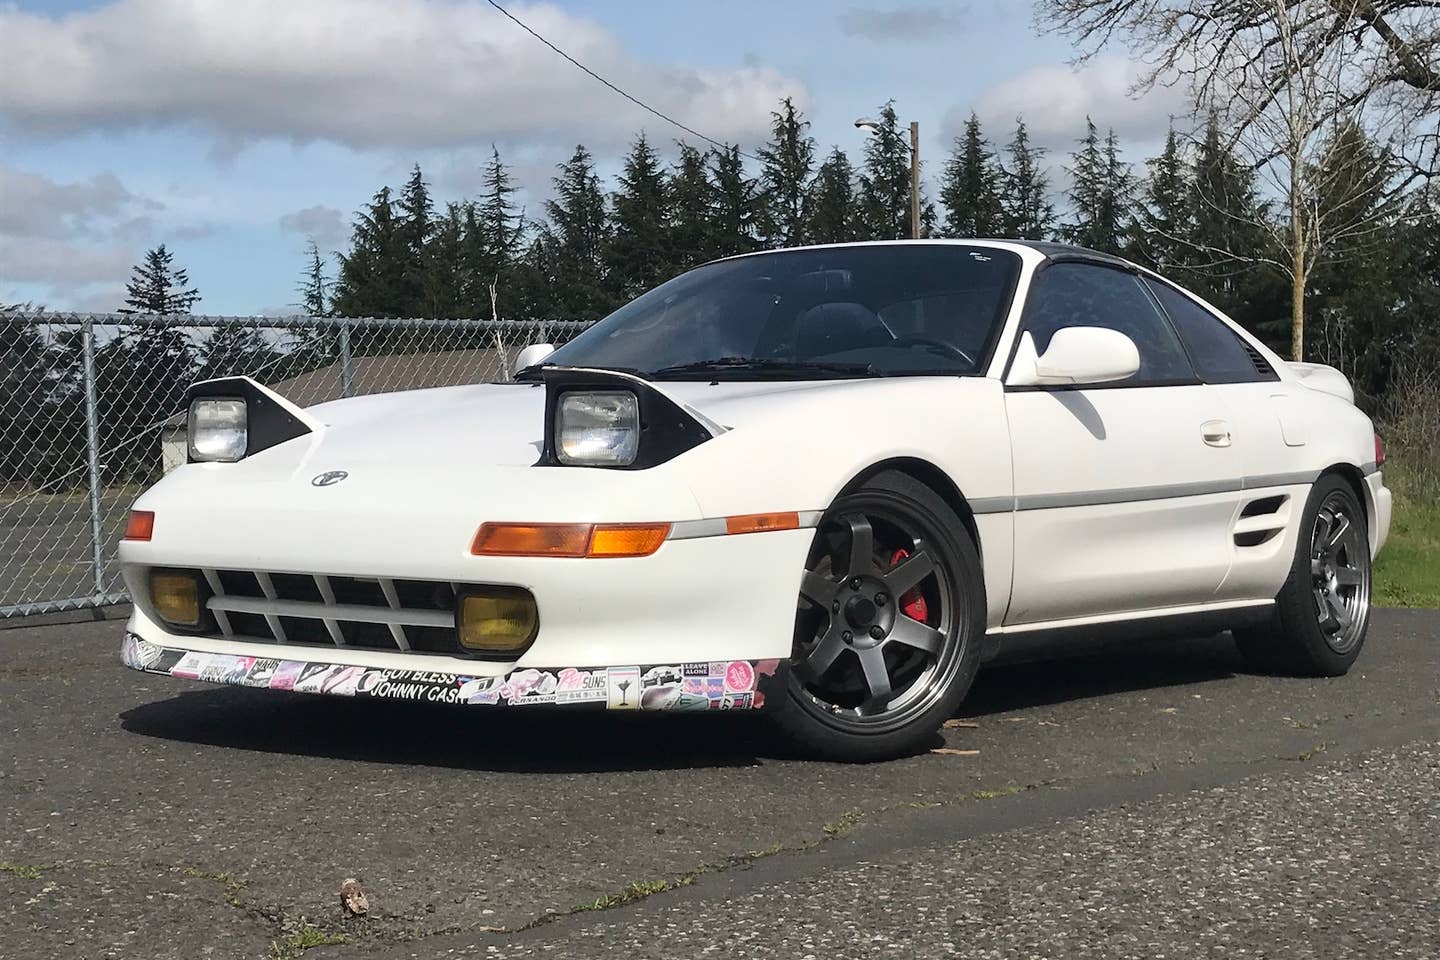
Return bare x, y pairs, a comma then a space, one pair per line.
70, 243
366, 73
1055, 99
324, 225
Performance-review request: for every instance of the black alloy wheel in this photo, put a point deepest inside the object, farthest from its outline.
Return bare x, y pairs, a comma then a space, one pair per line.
888, 624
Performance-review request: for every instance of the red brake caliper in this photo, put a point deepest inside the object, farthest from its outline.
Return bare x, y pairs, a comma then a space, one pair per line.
912, 603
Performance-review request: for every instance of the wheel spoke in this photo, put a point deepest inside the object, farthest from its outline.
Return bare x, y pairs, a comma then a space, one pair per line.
1337, 530
823, 656
1317, 569
818, 589
915, 634
877, 677
1347, 576
862, 545
908, 573
1337, 610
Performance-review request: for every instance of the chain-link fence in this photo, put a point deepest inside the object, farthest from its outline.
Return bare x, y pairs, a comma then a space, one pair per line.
91, 413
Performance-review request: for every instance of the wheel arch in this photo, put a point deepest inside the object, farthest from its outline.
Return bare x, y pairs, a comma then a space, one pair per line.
933, 477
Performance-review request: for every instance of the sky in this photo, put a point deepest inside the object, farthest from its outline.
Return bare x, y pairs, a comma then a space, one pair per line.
234, 131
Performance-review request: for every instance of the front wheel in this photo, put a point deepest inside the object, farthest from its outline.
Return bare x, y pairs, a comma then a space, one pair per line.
1322, 612
888, 627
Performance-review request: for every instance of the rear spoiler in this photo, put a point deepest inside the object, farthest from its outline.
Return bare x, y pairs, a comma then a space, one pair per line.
1326, 379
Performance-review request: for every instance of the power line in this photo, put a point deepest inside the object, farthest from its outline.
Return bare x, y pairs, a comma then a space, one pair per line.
635, 100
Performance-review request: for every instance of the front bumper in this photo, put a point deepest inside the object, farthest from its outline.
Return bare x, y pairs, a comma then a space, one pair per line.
686, 686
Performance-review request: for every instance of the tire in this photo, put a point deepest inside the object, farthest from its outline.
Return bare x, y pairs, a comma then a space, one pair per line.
892, 584
1323, 611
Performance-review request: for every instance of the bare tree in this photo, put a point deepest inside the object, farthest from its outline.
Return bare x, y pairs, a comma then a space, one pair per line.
1391, 49
1300, 87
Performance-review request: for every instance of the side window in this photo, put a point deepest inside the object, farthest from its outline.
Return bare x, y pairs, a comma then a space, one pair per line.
1085, 295
1219, 355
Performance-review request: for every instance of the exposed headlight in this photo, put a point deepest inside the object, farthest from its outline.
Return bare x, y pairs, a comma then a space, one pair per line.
598, 429
218, 429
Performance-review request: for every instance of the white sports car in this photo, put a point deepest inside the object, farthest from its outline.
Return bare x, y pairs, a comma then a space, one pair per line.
829, 482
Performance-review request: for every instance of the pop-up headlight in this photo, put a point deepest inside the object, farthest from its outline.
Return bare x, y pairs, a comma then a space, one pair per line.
598, 428
218, 428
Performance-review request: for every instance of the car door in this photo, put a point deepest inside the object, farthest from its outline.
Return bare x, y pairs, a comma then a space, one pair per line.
1123, 491
1261, 530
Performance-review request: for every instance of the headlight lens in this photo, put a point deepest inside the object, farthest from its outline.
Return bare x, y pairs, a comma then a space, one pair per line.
218, 429
598, 429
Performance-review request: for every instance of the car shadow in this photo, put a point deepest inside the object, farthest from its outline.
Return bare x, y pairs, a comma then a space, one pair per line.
571, 741
500, 740
1102, 669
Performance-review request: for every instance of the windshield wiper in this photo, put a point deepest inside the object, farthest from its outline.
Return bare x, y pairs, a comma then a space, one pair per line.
771, 365
533, 372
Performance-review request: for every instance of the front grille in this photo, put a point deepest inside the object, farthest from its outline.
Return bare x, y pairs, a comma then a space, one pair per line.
373, 613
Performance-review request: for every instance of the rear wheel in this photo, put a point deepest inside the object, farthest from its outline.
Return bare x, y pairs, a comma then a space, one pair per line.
1323, 611
888, 626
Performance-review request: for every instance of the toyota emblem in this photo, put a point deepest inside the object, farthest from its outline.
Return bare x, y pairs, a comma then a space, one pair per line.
329, 478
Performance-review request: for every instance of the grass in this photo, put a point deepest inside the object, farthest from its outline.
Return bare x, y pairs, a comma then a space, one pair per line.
24, 871
1408, 571
305, 937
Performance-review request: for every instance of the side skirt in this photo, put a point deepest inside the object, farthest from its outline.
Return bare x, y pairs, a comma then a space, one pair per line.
1043, 641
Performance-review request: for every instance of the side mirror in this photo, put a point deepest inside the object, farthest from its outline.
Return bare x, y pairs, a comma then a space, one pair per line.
532, 355
1076, 355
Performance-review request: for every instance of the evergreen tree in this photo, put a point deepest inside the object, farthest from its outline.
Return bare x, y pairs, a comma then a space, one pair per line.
1100, 194
787, 163
637, 256
831, 214
157, 286
574, 242
415, 223
689, 199
500, 221
1165, 220
1228, 238
885, 182
444, 281
1027, 213
313, 283
969, 192
735, 205
372, 280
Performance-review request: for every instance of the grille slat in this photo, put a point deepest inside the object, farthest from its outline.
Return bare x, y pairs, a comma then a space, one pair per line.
306, 609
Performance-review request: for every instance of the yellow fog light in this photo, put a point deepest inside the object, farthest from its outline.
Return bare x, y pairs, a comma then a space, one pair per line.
176, 597
498, 620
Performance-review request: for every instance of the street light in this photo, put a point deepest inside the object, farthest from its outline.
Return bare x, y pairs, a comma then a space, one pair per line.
873, 126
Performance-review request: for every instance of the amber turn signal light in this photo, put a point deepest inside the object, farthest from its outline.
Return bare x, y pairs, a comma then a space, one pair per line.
175, 597
497, 620
762, 522
141, 525
569, 539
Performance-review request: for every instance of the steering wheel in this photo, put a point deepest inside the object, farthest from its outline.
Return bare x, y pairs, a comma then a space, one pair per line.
937, 346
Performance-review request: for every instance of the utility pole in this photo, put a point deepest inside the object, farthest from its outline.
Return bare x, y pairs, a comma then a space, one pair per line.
873, 127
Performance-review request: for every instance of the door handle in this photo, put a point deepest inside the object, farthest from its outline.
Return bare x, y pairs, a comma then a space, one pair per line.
1216, 433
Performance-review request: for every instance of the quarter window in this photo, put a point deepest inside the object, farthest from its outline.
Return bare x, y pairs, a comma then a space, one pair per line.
1086, 295
1220, 356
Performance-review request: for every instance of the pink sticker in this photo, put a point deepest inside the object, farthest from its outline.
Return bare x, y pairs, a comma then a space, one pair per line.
739, 676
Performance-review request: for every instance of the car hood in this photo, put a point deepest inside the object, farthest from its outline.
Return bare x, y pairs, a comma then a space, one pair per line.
503, 424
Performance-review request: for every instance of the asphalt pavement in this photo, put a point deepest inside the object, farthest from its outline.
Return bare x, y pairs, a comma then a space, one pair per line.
1155, 800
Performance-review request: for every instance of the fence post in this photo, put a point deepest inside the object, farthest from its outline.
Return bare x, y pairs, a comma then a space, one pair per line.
92, 452
346, 373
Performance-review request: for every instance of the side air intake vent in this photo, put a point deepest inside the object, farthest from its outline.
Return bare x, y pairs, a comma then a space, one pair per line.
1262, 366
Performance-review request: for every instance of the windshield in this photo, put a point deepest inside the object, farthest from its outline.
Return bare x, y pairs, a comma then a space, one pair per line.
882, 309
